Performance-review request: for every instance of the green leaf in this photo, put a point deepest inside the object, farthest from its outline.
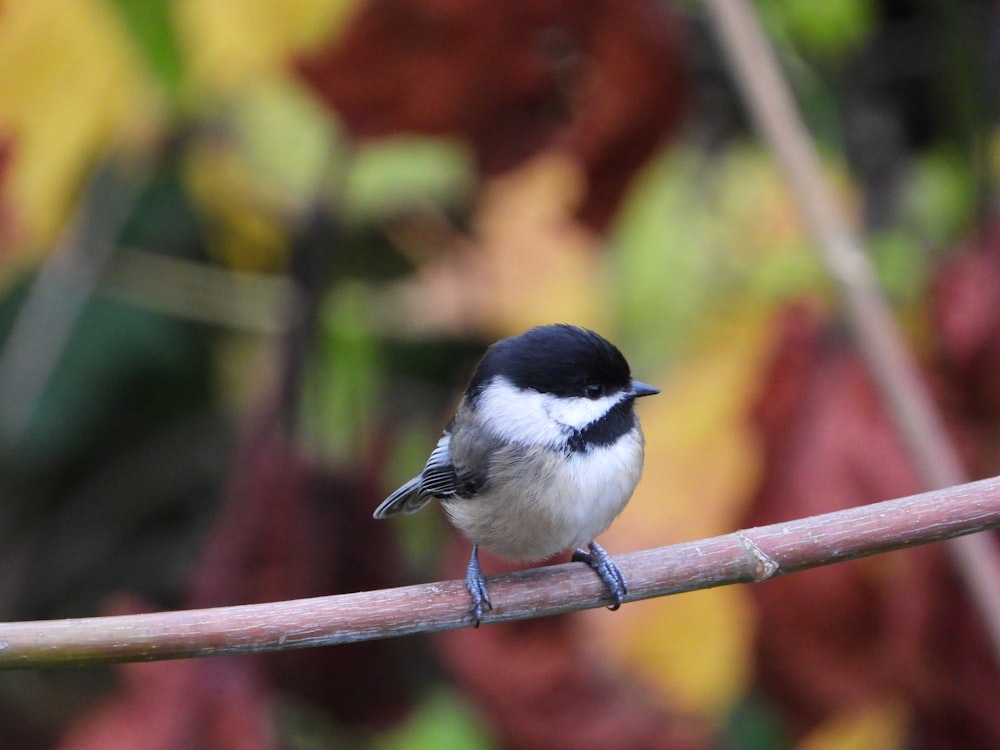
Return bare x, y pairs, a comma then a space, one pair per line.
152, 28
395, 173
442, 722
824, 31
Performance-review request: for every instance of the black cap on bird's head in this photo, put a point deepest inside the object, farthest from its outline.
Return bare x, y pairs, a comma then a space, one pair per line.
560, 359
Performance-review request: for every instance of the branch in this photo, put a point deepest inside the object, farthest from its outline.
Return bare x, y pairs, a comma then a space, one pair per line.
895, 374
745, 556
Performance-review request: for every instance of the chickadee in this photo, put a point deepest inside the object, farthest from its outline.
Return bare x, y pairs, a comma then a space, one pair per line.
542, 455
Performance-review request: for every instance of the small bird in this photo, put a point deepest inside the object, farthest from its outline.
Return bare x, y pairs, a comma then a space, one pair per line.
541, 456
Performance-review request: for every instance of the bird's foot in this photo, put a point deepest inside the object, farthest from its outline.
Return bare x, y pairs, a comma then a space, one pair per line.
606, 570
476, 584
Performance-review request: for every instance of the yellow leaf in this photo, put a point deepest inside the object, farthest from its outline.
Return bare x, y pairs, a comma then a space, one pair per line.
70, 85
877, 727
701, 463
229, 43
245, 230
529, 262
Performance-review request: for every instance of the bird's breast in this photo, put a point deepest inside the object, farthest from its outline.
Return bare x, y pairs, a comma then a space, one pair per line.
539, 501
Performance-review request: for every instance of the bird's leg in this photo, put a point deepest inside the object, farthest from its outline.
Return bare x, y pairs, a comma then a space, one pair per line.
606, 570
476, 585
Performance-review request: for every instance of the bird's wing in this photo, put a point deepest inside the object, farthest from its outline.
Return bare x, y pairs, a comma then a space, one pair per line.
459, 466
438, 477
436, 480
402, 500
472, 453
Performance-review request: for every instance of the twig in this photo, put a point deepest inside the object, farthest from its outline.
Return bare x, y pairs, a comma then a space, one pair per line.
911, 407
193, 290
61, 289
745, 556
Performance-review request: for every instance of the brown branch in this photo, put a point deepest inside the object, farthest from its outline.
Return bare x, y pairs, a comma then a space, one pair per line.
910, 405
742, 557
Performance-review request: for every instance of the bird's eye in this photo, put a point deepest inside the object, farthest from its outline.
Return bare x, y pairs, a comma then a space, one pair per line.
593, 391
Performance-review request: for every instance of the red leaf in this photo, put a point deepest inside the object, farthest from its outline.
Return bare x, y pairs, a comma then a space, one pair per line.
892, 628
602, 79
213, 704
966, 315
8, 221
291, 529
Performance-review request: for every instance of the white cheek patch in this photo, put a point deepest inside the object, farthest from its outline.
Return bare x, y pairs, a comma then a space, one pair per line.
532, 418
578, 412
517, 416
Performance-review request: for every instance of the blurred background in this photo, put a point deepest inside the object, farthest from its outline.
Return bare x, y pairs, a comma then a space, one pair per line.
250, 250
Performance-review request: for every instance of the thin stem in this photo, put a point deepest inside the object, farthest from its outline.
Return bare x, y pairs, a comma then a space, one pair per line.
745, 556
61, 289
912, 409
193, 290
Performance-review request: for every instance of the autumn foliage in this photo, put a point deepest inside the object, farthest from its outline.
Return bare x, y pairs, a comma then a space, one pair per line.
892, 633
601, 80
196, 444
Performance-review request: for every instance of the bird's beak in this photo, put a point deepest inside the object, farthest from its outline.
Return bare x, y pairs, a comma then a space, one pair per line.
641, 389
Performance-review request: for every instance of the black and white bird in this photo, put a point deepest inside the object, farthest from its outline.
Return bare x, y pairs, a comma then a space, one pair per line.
542, 455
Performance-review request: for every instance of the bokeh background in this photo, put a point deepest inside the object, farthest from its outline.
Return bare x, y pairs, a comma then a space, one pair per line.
251, 249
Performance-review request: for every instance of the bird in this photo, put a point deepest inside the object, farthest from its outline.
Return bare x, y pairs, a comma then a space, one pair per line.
543, 453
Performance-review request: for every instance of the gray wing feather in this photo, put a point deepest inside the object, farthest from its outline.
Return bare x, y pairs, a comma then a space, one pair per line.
436, 480
438, 477
402, 500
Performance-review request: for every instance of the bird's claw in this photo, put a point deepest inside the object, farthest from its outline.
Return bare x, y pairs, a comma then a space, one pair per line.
606, 570
476, 584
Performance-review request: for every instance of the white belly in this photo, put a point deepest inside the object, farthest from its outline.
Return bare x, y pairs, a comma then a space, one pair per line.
550, 503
